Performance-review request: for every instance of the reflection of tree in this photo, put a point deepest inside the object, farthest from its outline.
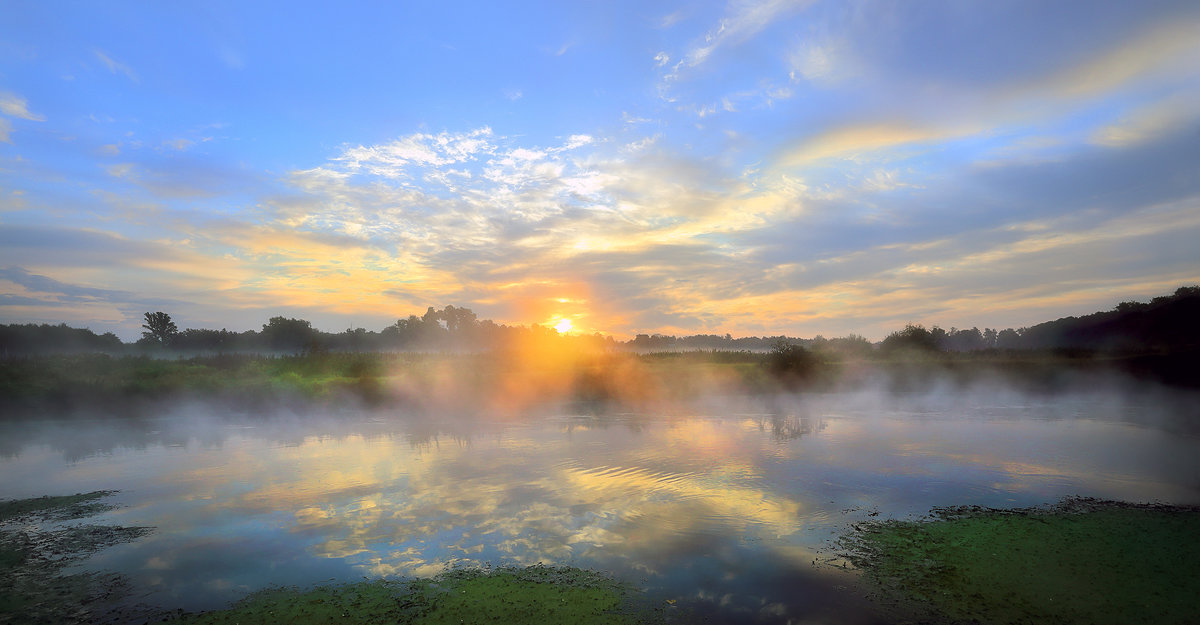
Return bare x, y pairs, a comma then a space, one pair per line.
791, 427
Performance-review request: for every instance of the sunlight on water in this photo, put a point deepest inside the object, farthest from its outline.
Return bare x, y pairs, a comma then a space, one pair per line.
722, 508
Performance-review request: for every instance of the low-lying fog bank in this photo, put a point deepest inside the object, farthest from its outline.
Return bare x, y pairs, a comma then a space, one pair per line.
533, 381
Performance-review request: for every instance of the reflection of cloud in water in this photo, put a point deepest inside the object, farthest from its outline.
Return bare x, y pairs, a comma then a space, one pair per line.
718, 505
518, 500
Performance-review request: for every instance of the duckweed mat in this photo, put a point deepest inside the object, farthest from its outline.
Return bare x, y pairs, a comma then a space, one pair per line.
1080, 561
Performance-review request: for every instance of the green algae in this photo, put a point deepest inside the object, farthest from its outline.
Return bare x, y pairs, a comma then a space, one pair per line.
35, 549
536, 594
1082, 561
60, 508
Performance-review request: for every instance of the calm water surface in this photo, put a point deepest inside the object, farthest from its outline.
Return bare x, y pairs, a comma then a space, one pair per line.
724, 509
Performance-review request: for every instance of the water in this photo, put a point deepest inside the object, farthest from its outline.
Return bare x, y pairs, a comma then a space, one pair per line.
723, 509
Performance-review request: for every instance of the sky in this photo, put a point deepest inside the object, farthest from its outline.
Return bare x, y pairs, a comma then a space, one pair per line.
757, 167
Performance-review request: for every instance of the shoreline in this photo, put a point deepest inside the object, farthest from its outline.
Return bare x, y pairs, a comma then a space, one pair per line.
1081, 560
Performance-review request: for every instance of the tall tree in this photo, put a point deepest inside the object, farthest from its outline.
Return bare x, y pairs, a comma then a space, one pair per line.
159, 329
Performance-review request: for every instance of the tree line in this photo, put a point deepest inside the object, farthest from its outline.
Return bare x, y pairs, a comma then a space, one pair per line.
1164, 323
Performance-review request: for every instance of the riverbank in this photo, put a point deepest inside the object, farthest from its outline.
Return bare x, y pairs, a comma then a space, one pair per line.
531, 595
1081, 561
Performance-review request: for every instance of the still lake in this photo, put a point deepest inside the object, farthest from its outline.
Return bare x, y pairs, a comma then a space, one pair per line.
722, 507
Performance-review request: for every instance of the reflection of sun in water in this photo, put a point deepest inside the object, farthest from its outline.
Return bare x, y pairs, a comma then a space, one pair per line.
563, 326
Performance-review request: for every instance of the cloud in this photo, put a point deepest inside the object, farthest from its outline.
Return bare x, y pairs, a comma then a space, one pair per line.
868, 140
48, 286
13, 105
743, 20
820, 61
1149, 122
115, 66
671, 19
1170, 47
179, 144
419, 149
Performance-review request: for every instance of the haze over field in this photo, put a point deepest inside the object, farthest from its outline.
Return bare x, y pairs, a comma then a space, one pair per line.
754, 167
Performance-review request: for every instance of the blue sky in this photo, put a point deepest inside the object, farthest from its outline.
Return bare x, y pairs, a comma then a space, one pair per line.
798, 167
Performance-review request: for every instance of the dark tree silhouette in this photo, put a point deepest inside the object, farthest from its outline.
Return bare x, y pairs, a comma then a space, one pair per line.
289, 335
791, 363
913, 338
160, 330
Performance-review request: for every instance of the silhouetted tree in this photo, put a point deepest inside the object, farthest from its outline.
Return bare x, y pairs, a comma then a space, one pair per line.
964, 340
207, 340
791, 363
45, 338
160, 330
291, 335
912, 338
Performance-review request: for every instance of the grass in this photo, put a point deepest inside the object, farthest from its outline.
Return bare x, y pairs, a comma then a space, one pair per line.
1084, 561
532, 595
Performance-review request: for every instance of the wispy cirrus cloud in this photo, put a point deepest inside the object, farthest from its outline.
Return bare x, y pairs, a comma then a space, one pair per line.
743, 20
14, 105
114, 66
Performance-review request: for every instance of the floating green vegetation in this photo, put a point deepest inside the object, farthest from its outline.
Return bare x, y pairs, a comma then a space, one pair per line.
61, 508
35, 548
1082, 561
537, 594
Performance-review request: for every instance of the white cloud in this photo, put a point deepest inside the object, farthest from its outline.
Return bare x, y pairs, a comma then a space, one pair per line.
818, 62
633, 119
419, 149
120, 170
575, 141
5, 130
15, 106
668, 21
1148, 122
661, 59
115, 66
743, 21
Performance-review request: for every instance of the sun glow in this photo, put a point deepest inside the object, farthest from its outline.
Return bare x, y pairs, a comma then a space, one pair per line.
563, 326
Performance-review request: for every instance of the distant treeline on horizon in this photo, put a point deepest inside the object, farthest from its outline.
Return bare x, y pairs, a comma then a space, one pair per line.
1166, 323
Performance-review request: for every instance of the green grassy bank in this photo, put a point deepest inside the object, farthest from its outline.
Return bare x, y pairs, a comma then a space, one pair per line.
532, 595
1081, 562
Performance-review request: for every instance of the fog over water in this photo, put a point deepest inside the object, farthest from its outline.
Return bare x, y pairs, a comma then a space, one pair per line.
723, 505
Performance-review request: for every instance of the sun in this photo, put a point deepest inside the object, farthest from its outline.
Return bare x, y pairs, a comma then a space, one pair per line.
563, 326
